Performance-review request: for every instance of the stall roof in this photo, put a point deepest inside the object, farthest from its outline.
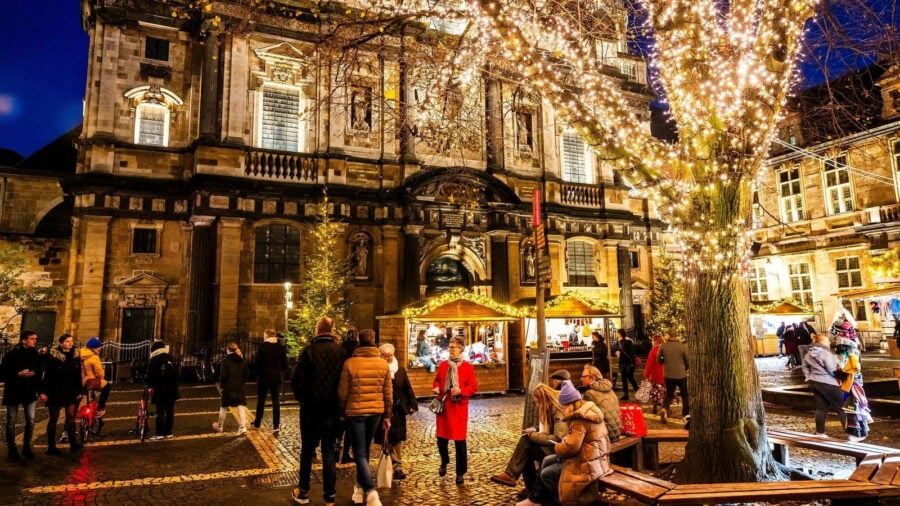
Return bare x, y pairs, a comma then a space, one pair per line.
779, 307
460, 305
887, 290
571, 305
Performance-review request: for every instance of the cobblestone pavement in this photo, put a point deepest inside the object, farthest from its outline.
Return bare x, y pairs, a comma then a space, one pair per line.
201, 467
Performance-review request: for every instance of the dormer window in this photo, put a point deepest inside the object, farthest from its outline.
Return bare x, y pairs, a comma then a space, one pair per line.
156, 49
154, 109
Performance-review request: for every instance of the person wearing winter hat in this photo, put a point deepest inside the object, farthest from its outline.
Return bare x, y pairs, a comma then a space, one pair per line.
162, 377
93, 377
558, 377
570, 475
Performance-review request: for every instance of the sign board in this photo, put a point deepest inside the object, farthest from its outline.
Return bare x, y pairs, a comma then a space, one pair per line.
540, 362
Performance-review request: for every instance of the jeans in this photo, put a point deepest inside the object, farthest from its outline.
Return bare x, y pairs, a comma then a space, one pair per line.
546, 489
165, 417
670, 393
104, 396
627, 371
522, 461
261, 390
361, 430
827, 396
12, 412
428, 362
462, 457
318, 427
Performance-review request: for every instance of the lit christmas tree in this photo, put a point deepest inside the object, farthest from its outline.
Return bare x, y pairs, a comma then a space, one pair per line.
667, 299
324, 275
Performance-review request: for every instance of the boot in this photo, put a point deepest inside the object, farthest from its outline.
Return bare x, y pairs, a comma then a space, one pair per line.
74, 445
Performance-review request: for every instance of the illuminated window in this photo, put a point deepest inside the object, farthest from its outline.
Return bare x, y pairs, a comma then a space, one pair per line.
848, 273
789, 194
153, 107
580, 263
759, 285
576, 158
280, 125
801, 283
277, 254
838, 194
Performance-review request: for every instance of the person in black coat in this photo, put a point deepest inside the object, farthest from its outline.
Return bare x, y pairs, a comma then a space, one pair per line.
271, 363
627, 356
20, 372
61, 389
162, 377
404, 404
232, 383
600, 355
349, 344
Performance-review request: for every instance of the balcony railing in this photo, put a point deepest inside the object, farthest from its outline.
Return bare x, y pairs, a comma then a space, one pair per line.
890, 213
279, 166
584, 195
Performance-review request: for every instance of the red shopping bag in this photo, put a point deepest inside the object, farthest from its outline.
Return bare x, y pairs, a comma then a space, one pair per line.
632, 420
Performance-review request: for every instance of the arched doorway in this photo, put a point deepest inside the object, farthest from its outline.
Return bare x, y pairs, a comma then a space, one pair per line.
446, 273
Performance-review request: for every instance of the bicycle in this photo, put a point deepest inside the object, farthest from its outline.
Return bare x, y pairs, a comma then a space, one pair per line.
143, 415
203, 369
90, 424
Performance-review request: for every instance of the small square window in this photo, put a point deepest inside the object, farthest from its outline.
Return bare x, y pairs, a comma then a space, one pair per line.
143, 240
156, 49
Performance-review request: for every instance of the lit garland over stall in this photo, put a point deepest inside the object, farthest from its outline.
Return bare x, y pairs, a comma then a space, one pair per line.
461, 294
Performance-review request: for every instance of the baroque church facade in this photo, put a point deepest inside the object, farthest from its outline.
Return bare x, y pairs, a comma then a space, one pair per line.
204, 154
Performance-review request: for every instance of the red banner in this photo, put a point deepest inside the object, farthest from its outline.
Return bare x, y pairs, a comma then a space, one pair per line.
535, 207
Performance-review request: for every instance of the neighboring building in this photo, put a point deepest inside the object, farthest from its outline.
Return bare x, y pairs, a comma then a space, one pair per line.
829, 199
204, 153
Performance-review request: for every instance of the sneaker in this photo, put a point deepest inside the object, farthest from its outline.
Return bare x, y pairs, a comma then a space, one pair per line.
276, 432
157, 437
357, 497
64, 438
241, 431
216, 427
663, 415
372, 498
170, 436
299, 496
504, 478
854, 439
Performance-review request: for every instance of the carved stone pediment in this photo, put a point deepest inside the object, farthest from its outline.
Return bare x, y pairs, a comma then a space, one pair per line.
283, 64
141, 289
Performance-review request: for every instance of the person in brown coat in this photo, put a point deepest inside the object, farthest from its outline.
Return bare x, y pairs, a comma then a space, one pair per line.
580, 459
365, 394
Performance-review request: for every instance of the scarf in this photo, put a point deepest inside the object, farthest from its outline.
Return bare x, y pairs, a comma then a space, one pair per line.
393, 366
452, 380
164, 349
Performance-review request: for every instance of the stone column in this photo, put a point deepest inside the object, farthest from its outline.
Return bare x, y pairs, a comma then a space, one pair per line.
229, 279
623, 267
94, 241
234, 95
499, 254
390, 268
209, 88
101, 105
200, 278
409, 276
493, 106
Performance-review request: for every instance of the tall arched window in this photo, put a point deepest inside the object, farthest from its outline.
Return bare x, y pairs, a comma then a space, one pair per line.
277, 254
153, 108
580, 263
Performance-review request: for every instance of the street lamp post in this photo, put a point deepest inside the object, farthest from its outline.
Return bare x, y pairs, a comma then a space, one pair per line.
288, 302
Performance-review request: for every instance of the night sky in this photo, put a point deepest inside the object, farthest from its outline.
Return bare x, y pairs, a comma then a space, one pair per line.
44, 61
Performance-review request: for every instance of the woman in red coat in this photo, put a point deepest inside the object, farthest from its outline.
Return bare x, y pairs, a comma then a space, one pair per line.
655, 373
455, 382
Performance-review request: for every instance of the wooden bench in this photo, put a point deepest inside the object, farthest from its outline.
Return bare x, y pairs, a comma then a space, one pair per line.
630, 449
782, 439
651, 442
854, 492
643, 487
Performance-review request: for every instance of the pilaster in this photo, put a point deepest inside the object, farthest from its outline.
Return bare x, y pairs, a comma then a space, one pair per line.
229, 275
391, 248
200, 280
93, 255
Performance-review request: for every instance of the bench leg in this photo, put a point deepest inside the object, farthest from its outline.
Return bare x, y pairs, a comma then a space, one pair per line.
780, 453
639, 456
651, 455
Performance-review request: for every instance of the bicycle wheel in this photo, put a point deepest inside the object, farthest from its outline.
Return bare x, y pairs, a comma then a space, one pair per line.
96, 426
142, 424
83, 432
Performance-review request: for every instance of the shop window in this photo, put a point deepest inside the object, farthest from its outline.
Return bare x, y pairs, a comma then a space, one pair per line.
156, 49
848, 273
838, 193
801, 283
580, 263
576, 158
789, 194
280, 126
144, 240
759, 285
277, 254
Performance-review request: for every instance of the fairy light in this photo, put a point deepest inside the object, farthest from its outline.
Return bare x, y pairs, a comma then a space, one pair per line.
461, 294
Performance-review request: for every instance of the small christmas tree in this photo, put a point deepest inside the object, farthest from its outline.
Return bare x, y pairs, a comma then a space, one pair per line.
324, 275
667, 299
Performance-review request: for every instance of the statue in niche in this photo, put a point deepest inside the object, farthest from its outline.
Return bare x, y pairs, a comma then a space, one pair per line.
529, 261
359, 259
360, 109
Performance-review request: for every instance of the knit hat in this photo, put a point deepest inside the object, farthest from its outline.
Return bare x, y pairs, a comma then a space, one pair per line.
568, 394
157, 345
843, 341
561, 374
93, 343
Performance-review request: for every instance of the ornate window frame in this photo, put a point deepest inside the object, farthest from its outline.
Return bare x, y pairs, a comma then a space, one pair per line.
153, 97
285, 69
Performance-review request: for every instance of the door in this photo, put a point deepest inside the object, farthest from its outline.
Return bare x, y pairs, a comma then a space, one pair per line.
138, 324
42, 322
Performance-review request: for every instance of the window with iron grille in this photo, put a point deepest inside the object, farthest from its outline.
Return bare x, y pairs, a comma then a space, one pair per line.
848, 273
277, 254
152, 121
759, 285
801, 283
790, 197
143, 240
838, 193
574, 158
280, 126
580, 263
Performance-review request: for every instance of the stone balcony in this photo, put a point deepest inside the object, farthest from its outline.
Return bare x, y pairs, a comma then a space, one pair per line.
281, 166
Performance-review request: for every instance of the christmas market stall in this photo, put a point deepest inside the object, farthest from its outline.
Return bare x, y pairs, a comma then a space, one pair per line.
877, 310
570, 319
767, 316
421, 332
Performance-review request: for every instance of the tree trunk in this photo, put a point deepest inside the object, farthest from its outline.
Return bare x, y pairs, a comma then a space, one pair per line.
727, 439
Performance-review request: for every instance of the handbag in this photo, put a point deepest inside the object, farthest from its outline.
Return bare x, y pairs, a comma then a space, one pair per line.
637, 361
643, 393
437, 405
385, 474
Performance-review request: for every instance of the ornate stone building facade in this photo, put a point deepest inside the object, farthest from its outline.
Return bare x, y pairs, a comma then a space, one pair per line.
829, 200
204, 153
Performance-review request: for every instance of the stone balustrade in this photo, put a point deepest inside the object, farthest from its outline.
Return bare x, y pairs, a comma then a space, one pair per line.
281, 166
